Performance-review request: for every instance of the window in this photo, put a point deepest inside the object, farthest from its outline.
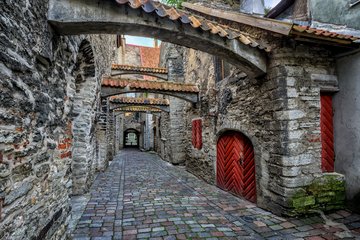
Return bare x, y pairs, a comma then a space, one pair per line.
197, 133
222, 69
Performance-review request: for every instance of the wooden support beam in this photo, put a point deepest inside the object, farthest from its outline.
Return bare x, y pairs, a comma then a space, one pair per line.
281, 27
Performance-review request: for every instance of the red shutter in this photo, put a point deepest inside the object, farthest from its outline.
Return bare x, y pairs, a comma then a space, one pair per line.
327, 133
197, 133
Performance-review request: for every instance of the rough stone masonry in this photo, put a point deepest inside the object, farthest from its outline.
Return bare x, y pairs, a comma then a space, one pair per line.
55, 131
48, 109
279, 113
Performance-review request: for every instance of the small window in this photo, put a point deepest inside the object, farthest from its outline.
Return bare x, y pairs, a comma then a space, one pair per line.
197, 133
222, 69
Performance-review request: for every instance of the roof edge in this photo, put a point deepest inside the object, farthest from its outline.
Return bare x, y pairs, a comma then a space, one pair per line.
272, 25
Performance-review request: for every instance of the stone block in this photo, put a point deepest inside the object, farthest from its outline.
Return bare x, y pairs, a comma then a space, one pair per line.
18, 192
289, 115
299, 160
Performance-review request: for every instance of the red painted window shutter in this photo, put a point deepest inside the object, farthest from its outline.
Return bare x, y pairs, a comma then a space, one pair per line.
327, 133
197, 133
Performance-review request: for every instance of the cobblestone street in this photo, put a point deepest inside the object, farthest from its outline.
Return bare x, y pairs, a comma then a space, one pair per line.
142, 197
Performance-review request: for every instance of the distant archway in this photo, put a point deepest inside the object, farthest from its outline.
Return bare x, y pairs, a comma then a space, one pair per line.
131, 138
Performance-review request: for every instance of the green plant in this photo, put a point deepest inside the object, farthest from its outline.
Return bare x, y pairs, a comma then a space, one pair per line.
174, 3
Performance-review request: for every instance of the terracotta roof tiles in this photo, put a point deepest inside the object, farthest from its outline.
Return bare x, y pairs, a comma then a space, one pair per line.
137, 109
323, 33
139, 69
140, 101
149, 85
150, 6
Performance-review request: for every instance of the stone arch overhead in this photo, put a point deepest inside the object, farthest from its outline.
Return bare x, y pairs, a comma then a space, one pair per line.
189, 97
150, 19
159, 76
132, 129
136, 126
160, 108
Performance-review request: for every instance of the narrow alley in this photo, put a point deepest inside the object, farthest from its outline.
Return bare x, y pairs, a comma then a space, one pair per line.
131, 200
179, 119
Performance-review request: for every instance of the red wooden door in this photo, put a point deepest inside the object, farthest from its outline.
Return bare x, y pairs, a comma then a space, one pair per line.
327, 133
236, 165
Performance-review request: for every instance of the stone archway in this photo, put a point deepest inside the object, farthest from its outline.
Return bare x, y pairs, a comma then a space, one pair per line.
84, 154
152, 19
131, 138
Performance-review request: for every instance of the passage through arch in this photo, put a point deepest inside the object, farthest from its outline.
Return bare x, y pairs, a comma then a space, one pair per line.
131, 138
152, 19
235, 165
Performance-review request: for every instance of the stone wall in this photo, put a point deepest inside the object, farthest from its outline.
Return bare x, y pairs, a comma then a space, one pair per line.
174, 145
38, 88
279, 113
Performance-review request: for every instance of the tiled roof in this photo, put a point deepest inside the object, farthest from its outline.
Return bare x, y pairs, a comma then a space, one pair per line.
149, 85
150, 6
314, 32
139, 69
137, 109
150, 57
140, 101
276, 26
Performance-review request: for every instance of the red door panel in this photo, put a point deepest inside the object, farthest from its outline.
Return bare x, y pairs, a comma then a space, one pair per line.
236, 165
327, 133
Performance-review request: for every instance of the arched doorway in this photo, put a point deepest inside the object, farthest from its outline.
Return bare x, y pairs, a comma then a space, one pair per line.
131, 138
235, 167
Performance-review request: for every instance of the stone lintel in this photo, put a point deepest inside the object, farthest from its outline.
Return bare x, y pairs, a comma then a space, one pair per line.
327, 83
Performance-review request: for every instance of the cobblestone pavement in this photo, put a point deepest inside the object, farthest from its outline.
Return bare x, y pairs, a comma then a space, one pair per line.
142, 197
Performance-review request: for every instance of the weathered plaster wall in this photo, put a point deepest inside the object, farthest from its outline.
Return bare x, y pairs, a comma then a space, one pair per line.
37, 72
346, 124
335, 12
